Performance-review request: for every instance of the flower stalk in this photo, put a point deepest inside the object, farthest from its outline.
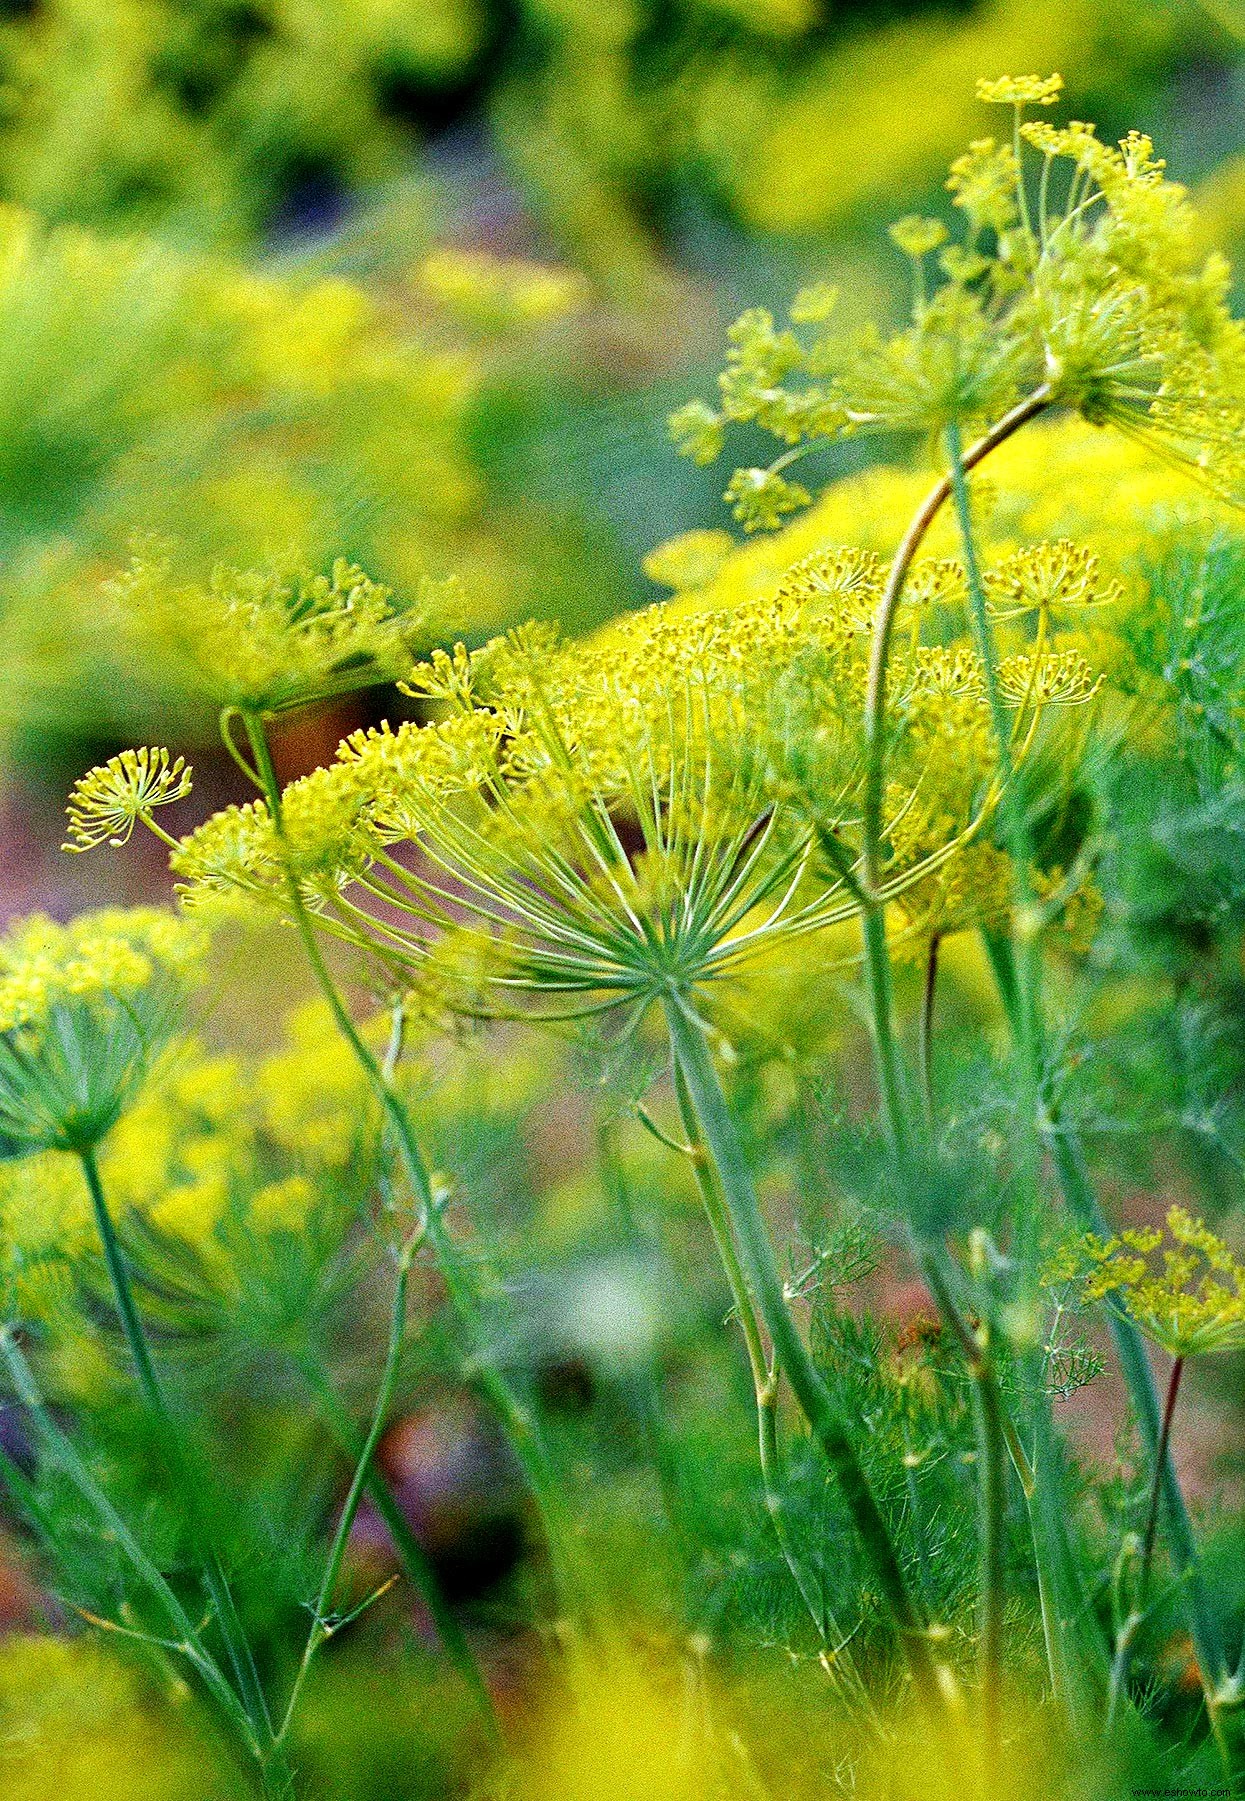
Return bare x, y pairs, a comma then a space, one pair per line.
721, 1139
216, 1582
516, 1416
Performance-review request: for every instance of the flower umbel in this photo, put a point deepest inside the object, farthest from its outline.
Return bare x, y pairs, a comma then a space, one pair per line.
1182, 1285
106, 802
263, 641
1077, 280
84, 1010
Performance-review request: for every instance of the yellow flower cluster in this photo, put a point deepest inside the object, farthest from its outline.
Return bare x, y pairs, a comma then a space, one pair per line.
1082, 284
261, 642
85, 1008
609, 818
1181, 1285
107, 802
97, 957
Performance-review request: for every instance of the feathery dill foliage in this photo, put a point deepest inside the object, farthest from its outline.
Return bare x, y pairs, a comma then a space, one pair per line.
85, 1009
1077, 275
619, 825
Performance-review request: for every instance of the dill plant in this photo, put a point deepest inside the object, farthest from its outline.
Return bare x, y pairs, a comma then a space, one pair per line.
614, 830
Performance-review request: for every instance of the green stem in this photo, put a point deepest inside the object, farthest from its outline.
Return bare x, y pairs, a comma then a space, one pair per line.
881, 1017
322, 1627
517, 1417
992, 1437
1127, 1636
1075, 1646
410, 1552
1071, 1659
122, 1293
1026, 956
757, 1257
925, 1042
1160, 1462
189, 1642
216, 1582
764, 1370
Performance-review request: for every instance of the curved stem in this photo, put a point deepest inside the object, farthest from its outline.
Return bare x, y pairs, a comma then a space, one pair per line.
216, 1582
322, 1626
757, 1257
884, 619
410, 1552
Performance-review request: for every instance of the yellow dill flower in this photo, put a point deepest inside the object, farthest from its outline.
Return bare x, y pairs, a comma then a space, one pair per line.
1181, 1285
106, 802
84, 1010
233, 851
1087, 289
587, 819
1047, 578
261, 642
1021, 90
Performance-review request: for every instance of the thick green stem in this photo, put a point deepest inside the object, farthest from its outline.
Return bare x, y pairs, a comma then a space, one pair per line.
992, 1431
885, 1048
764, 1369
215, 1581
757, 1257
516, 1416
122, 1293
992, 1423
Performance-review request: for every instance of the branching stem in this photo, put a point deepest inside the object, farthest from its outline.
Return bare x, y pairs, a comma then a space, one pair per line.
517, 1417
